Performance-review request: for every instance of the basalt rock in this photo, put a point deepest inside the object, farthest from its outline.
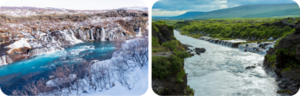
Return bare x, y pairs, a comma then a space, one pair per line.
200, 50
283, 62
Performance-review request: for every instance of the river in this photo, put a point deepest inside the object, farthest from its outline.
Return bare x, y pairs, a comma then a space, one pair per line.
75, 54
220, 71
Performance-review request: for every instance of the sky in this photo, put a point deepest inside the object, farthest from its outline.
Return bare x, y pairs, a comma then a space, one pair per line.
76, 4
178, 7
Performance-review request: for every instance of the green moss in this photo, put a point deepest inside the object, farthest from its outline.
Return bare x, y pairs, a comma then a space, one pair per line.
286, 69
190, 90
180, 75
287, 51
271, 58
284, 91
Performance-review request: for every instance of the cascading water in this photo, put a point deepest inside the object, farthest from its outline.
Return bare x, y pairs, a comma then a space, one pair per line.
103, 34
139, 33
92, 34
3, 60
40, 51
220, 71
261, 48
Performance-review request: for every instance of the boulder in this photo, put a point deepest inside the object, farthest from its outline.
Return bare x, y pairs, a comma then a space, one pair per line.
250, 67
200, 50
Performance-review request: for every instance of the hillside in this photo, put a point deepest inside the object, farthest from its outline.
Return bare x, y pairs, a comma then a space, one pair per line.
245, 11
187, 15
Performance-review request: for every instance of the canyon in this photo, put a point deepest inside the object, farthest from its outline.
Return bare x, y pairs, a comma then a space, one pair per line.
23, 37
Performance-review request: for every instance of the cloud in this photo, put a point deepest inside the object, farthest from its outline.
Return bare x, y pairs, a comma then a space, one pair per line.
224, 6
158, 12
208, 5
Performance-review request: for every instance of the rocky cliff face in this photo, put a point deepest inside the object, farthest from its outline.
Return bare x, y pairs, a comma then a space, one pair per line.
22, 38
175, 83
283, 62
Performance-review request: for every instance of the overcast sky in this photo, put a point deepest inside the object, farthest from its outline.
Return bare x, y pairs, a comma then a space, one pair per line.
76, 4
178, 7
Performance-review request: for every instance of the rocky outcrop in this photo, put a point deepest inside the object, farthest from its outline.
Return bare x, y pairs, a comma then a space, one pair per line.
283, 62
164, 34
281, 23
170, 86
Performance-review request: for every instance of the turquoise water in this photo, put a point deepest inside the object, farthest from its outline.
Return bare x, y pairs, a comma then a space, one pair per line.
73, 55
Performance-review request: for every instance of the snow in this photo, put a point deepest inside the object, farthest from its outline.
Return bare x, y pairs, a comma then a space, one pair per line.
140, 87
133, 80
59, 81
18, 44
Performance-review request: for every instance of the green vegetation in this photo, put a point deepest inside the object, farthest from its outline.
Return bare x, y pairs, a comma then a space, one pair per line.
190, 90
226, 29
288, 51
171, 66
272, 59
156, 49
180, 75
155, 42
172, 45
160, 67
284, 91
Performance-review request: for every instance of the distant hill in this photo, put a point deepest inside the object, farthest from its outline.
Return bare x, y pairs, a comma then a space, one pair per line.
187, 15
246, 11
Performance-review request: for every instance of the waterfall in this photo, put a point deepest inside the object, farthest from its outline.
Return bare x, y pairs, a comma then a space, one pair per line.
8, 59
3, 60
139, 34
253, 47
88, 37
92, 34
82, 35
103, 34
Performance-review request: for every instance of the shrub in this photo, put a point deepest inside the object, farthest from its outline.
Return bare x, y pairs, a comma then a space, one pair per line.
182, 54
160, 67
176, 63
155, 42
171, 45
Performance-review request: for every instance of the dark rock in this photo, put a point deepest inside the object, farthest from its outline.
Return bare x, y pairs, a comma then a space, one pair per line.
249, 67
288, 79
84, 91
200, 49
281, 23
122, 12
